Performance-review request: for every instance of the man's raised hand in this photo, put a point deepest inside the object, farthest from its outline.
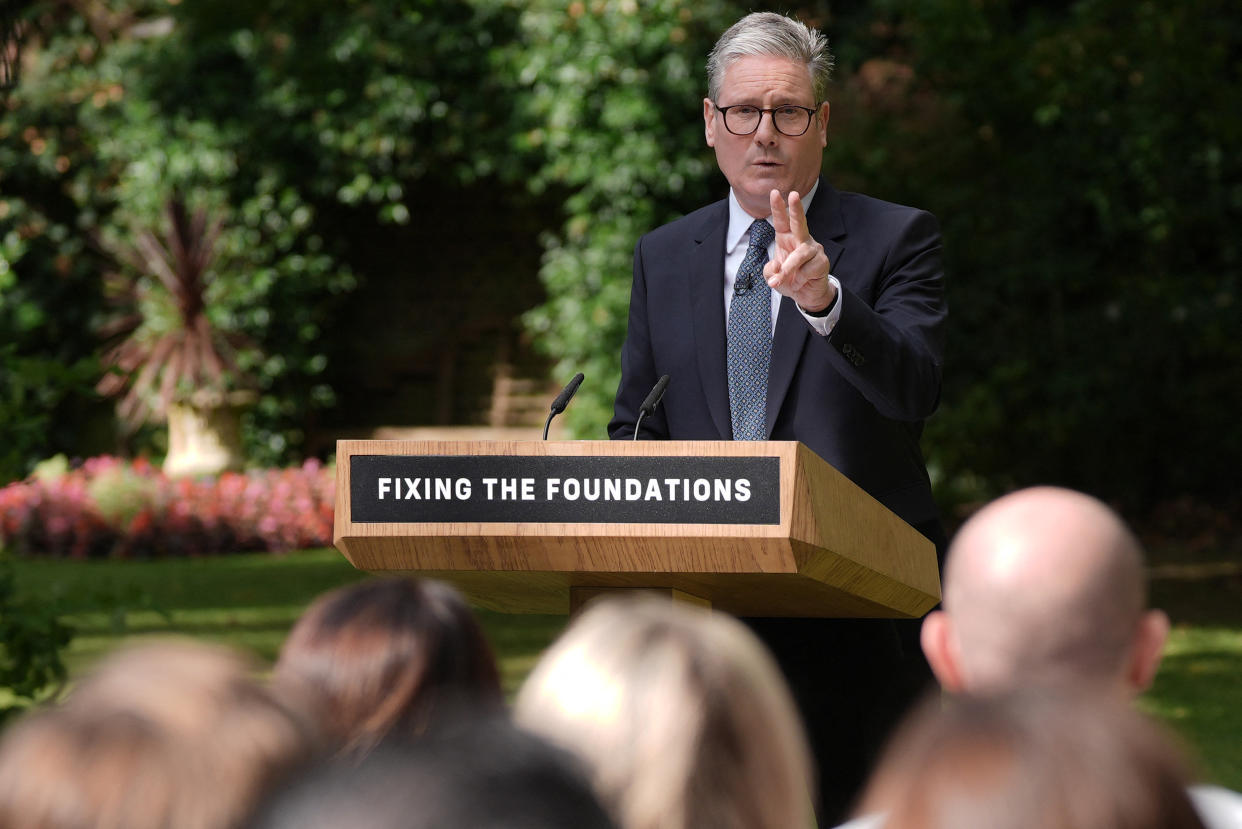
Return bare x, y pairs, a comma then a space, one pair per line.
799, 269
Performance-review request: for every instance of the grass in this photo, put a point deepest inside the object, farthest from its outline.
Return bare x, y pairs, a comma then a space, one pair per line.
250, 602
1198, 690
245, 601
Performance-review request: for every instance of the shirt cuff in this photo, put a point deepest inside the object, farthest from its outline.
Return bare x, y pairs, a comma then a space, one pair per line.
824, 325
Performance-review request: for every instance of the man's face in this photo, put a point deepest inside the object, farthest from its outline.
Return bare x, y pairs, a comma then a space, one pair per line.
755, 164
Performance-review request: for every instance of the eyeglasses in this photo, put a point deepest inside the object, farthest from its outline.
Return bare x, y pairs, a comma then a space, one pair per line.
743, 119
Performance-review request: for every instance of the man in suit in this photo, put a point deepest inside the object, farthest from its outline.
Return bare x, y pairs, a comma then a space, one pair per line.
855, 283
792, 311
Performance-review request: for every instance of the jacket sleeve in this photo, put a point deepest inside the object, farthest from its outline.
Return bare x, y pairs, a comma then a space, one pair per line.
890, 345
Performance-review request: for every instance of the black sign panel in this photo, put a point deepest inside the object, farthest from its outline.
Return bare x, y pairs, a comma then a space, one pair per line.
557, 489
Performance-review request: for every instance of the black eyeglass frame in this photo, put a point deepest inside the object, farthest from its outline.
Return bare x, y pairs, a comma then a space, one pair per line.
810, 113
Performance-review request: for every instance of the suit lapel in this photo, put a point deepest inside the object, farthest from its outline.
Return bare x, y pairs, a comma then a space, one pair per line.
707, 315
791, 334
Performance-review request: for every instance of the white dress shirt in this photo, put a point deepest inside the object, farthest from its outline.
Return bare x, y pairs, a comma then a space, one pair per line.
1218, 808
737, 241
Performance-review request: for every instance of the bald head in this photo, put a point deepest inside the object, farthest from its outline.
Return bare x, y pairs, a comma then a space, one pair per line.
1044, 585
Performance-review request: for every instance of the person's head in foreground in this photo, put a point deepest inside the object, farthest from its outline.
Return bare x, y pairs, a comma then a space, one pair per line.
766, 114
682, 716
1044, 586
387, 658
481, 774
162, 735
1031, 760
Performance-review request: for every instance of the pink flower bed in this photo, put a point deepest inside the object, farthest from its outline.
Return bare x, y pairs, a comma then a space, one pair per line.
107, 507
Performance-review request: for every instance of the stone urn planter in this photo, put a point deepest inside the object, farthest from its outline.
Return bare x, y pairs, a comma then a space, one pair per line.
166, 360
204, 433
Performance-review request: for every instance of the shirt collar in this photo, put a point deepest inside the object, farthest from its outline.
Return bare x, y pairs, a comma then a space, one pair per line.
740, 221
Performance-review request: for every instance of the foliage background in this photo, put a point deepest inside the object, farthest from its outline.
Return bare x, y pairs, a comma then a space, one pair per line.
401, 179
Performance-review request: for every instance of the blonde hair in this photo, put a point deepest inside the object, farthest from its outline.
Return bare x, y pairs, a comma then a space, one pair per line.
682, 716
169, 734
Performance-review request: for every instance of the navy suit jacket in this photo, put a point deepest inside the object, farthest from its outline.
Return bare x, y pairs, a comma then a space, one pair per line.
858, 398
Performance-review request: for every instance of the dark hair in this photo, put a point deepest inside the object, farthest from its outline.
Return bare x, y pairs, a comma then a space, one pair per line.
483, 774
388, 657
1028, 760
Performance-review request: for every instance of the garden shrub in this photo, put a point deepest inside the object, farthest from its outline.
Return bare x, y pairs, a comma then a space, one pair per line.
31, 638
110, 508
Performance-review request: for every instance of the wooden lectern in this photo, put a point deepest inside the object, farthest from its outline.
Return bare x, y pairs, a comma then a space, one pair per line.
753, 528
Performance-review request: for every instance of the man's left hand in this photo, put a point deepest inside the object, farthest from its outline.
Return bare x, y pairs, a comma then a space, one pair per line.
799, 268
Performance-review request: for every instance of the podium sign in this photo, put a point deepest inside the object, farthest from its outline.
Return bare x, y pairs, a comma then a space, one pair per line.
755, 528
550, 489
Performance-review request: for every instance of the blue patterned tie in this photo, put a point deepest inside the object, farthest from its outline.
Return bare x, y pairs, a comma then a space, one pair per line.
750, 338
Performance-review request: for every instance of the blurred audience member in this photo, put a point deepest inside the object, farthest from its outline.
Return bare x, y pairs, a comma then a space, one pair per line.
1045, 587
681, 715
387, 657
1030, 761
477, 775
161, 735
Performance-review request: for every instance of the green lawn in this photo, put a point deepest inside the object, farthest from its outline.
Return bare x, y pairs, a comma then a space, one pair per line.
247, 601
250, 601
1199, 687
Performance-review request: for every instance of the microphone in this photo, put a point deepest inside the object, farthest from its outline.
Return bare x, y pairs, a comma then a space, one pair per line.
649, 404
562, 400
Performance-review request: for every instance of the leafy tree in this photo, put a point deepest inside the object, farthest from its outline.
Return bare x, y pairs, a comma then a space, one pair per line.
293, 125
1077, 154
614, 116
33, 390
50, 296
1088, 202
31, 639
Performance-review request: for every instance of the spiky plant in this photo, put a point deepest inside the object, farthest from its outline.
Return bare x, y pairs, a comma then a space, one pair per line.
164, 347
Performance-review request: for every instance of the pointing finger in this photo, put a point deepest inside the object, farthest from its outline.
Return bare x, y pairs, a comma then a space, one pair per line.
797, 218
780, 214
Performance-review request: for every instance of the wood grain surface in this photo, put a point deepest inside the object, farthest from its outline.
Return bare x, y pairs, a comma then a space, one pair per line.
835, 552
